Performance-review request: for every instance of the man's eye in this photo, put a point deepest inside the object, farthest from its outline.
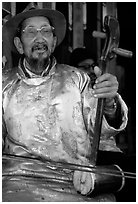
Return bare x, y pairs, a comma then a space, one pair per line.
45, 30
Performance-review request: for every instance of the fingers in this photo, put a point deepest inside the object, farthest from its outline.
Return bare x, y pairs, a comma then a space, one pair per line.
106, 77
105, 93
106, 86
111, 90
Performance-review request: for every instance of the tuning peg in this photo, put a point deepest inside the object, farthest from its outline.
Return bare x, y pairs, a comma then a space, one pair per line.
122, 52
98, 34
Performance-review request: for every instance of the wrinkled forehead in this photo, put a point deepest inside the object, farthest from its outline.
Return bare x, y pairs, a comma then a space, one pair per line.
36, 21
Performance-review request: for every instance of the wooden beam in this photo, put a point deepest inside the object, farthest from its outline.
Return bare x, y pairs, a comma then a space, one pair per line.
49, 5
78, 35
13, 8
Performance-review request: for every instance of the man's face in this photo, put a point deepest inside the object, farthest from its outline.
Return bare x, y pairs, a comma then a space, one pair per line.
86, 65
37, 47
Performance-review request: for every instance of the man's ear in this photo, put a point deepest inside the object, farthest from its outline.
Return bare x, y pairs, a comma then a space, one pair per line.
54, 43
18, 45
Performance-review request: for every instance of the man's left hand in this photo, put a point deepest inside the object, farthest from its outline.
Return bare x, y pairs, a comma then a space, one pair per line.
106, 85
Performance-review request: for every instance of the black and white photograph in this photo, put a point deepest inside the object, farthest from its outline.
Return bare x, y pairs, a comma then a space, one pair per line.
68, 101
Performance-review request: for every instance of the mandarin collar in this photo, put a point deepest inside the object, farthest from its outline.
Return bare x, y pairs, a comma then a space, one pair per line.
23, 72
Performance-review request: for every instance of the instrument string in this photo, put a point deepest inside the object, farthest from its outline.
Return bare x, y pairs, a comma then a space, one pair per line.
78, 167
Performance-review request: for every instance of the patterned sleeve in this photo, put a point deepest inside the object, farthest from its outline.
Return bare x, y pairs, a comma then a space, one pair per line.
107, 139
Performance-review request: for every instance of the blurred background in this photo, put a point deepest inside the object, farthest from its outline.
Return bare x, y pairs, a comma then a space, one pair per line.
82, 19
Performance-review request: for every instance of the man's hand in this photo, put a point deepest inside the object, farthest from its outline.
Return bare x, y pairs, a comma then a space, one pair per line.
106, 85
83, 182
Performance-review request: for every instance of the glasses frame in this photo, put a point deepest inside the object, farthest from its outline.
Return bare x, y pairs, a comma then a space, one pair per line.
38, 30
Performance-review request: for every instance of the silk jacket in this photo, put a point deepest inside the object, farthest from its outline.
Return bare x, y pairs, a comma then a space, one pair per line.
53, 115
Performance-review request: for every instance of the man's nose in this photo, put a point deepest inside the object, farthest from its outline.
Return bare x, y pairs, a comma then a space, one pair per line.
39, 36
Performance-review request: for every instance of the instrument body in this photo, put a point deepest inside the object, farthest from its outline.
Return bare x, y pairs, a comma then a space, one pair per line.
109, 182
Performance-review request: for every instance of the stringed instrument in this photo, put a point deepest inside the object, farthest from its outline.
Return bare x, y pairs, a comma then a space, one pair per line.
109, 52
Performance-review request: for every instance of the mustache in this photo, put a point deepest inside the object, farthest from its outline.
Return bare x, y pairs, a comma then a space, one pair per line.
38, 46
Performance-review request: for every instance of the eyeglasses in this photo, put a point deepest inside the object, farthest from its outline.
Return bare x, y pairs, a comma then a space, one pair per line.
31, 32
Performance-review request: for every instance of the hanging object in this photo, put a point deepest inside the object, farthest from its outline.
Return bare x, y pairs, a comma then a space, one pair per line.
78, 32
13, 8
53, 5
49, 5
70, 26
70, 15
84, 7
40, 5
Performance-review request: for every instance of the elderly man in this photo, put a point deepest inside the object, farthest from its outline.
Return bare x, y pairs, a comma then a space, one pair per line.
48, 114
